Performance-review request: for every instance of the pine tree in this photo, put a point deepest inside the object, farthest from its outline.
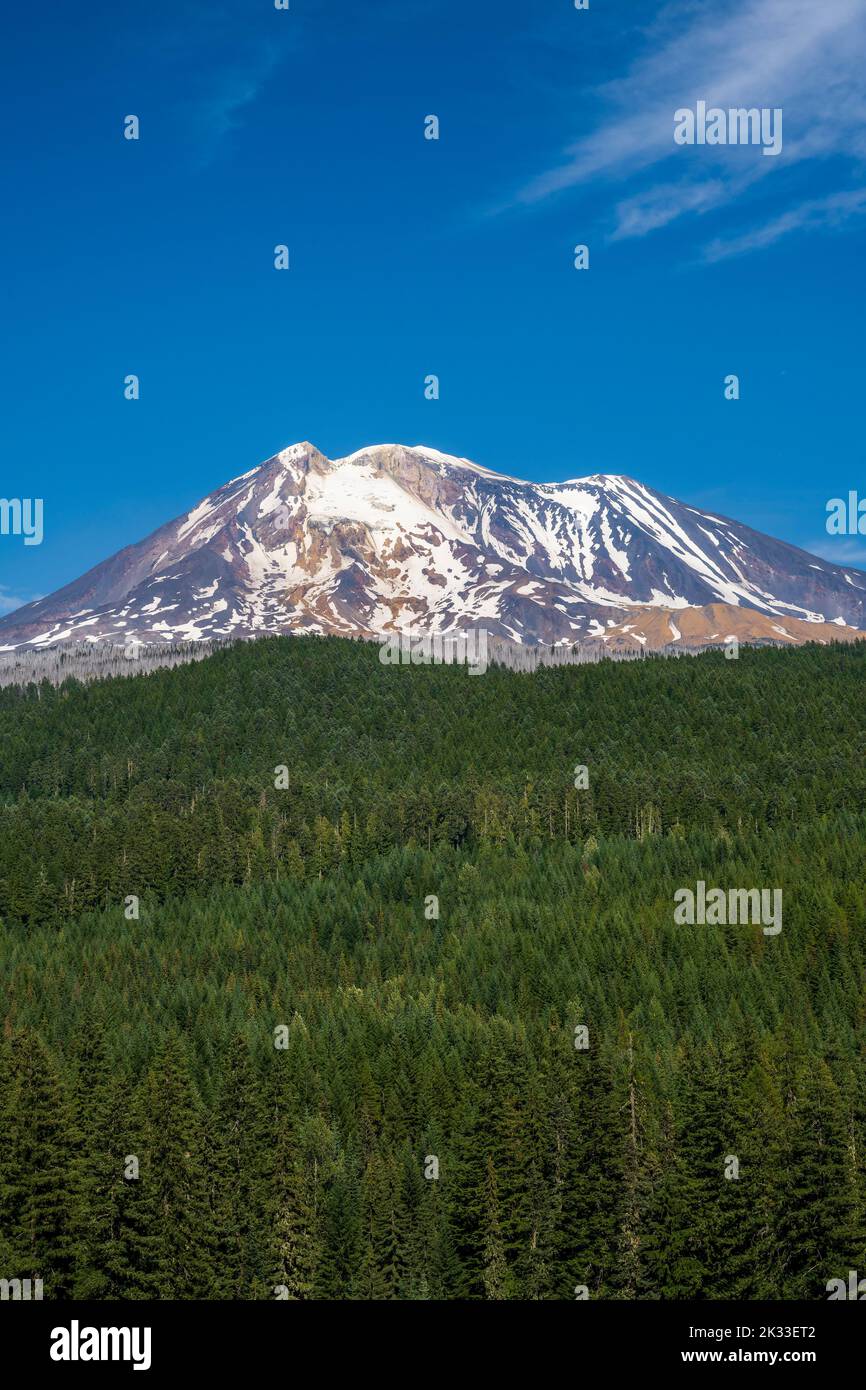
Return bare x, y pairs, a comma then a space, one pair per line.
38, 1196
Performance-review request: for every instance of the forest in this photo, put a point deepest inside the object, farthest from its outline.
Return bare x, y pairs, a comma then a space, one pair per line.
323, 979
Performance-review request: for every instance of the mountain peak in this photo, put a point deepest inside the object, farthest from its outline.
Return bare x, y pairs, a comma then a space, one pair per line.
293, 454
397, 536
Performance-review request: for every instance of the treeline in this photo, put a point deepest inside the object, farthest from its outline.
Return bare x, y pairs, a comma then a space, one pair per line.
93, 661
167, 783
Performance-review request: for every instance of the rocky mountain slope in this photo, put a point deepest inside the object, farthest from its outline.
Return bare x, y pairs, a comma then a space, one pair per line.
394, 537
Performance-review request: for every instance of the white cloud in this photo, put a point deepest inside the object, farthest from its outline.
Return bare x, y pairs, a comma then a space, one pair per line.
662, 204
817, 212
805, 56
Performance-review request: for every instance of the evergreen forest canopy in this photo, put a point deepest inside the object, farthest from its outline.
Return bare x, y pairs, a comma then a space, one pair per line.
323, 979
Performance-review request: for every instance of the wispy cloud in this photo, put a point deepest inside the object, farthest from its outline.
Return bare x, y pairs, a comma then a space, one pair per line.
223, 60
221, 111
805, 56
839, 551
9, 602
817, 212
664, 203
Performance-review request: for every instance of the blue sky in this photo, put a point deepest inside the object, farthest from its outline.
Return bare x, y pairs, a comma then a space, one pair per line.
409, 257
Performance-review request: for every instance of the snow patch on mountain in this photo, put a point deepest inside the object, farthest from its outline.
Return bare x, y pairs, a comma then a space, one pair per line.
393, 536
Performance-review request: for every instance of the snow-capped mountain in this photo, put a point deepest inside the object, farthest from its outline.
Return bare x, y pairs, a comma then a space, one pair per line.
394, 538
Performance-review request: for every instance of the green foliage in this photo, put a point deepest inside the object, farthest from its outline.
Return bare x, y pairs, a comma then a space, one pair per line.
301, 1168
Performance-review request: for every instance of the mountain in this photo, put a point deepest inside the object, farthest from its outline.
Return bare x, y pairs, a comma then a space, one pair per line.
394, 537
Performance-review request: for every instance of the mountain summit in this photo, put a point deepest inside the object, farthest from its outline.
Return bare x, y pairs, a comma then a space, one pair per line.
396, 537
